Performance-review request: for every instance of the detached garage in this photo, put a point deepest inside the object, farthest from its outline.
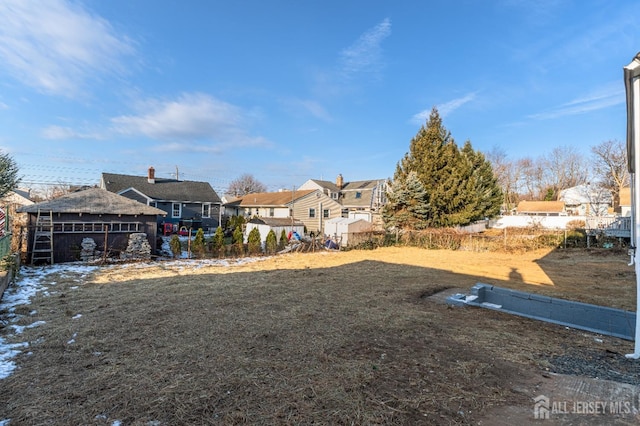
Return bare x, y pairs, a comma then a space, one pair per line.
56, 229
339, 228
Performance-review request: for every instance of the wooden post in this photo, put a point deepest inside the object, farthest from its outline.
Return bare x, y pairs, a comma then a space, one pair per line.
106, 243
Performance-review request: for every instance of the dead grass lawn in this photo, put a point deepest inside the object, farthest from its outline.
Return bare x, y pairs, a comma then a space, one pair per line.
325, 338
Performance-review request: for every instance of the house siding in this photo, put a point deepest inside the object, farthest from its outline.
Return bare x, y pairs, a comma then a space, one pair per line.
301, 211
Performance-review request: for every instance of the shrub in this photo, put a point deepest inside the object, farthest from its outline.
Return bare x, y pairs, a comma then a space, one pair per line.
198, 243
217, 242
271, 243
283, 240
254, 243
238, 241
175, 246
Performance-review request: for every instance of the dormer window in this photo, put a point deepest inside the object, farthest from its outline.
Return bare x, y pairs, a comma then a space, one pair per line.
334, 195
358, 194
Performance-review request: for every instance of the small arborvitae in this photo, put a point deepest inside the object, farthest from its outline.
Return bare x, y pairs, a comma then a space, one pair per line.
198, 244
175, 246
254, 243
271, 243
217, 243
283, 240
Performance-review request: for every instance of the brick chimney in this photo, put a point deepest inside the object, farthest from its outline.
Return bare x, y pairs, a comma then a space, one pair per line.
339, 181
151, 177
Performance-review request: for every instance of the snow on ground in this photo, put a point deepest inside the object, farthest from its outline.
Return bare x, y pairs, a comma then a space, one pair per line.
31, 280
34, 280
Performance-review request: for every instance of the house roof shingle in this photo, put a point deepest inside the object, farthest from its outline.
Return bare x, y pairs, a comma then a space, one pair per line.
162, 189
540, 206
271, 199
93, 201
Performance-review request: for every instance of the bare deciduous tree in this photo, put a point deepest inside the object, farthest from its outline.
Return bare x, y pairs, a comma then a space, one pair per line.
610, 167
564, 168
245, 184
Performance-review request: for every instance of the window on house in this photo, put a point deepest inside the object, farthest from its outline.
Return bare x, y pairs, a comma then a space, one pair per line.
312, 213
176, 210
358, 194
153, 204
272, 212
334, 195
206, 210
325, 213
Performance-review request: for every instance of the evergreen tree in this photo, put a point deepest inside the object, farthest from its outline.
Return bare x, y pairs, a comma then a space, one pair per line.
407, 207
238, 241
254, 243
282, 243
437, 185
217, 242
271, 243
175, 246
198, 244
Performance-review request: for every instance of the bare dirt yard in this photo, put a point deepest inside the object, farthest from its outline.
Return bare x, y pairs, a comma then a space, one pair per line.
356, 337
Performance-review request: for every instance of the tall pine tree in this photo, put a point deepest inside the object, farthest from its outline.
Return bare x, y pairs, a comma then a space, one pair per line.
454, 187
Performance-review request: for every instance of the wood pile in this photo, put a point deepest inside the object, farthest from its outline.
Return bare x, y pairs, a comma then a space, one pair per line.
88, 250
138, 248
304, 246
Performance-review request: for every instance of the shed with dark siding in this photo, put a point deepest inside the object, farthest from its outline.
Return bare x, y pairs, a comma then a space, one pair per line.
93, 213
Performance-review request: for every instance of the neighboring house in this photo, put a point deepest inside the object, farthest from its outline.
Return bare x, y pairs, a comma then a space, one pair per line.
585, 200
339, 228
312, 207
186, 203
92, 213
541, 208
362, 199
275, 224
624, 205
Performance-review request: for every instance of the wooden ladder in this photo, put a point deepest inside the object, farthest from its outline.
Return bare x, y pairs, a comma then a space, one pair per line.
43, 238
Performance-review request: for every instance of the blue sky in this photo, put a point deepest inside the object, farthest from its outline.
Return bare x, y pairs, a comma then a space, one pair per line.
292, 90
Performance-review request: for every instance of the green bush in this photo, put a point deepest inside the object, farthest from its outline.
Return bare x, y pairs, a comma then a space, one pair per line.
283, 240
217, 242
271, 243
238, 241
175, 246
198, 245
254, 243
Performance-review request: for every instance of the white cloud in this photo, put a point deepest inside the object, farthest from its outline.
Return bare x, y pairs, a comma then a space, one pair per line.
192, 117
57, 46
605, 97
62, 132
311, 107
365, 54
443, 109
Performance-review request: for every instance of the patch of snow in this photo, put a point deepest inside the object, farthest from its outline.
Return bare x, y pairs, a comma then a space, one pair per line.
5, 422
30, 282
77, 316
73, 339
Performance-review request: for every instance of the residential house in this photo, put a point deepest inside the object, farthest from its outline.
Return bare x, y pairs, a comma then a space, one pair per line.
361, 199
541, 208
94, 213
586, 200
311, 206
624, 203
188, 204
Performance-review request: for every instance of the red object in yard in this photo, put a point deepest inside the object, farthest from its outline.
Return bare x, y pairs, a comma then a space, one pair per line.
168, 229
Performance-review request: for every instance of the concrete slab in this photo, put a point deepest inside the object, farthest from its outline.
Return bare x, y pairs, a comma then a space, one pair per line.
582, 316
